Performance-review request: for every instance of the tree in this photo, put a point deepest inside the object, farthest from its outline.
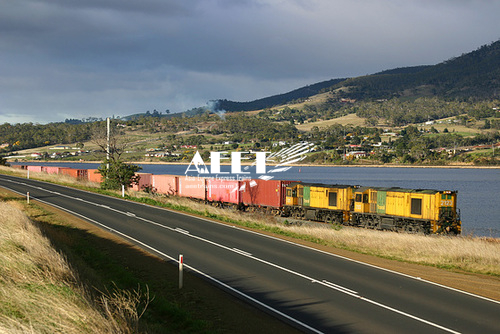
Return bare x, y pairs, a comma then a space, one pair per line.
3, 162
118, 174
115, 172
487, 124
117, 144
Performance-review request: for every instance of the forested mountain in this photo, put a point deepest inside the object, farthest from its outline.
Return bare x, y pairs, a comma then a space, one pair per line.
271, 101
473, 75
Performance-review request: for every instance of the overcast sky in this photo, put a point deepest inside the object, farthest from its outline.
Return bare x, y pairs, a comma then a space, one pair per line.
78, 58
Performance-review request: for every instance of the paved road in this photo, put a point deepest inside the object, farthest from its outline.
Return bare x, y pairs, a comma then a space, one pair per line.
315, 291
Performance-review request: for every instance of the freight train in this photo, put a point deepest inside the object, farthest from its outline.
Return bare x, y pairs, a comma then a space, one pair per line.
405, 210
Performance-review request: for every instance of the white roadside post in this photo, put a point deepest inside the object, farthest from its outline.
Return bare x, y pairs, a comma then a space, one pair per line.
181, 262
28, 197
123, 190
107, 147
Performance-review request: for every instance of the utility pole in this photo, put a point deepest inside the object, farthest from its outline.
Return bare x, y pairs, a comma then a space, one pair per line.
107, 146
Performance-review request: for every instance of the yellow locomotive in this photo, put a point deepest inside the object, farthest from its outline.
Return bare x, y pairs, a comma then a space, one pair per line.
410, 210
327, 203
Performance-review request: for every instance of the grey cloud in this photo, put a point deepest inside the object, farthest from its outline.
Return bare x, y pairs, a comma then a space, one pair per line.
71, 57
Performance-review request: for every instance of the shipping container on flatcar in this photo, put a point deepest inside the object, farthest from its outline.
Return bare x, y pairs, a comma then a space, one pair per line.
145, 181
409, 210
93, 175
80, 174
266, 194
223, 191
165, 184
192, 187
51, 169
321, 202
35, 168
62, 171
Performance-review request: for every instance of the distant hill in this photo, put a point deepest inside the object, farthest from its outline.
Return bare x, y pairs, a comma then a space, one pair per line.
405, 70
275, 100
472, 75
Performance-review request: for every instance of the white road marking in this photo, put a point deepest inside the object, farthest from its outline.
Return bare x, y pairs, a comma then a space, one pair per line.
180, 230
258, 302
249, 255
336, 286
241, 252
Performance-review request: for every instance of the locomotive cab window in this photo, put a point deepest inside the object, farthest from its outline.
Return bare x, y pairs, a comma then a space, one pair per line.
289, 192
332, 199
358, 197
416, 206
365, 198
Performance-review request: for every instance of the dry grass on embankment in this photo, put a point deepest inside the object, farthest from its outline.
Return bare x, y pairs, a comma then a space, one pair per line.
475, 255
470, 254
55, 178
39, 292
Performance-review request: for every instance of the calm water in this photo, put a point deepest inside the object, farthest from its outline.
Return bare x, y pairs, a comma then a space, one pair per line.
478, 189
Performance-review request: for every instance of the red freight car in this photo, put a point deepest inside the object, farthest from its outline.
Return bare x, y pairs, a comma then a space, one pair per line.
261, 193
165, 184
224, 191
51, 169
145, 181
192, 186
64, 171
93, 175
80, 174
35, 168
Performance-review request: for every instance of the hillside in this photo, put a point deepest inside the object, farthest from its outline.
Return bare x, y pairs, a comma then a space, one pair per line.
271, 101
471, 75
451, 104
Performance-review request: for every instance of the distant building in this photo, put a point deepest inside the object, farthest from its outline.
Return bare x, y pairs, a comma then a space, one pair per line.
355, 155
280, 143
